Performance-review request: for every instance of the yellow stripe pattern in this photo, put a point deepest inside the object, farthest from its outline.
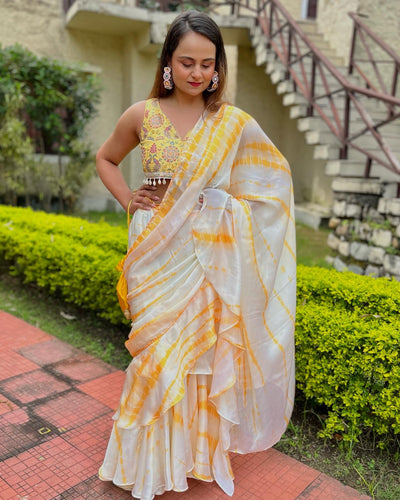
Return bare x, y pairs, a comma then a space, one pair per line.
211, 291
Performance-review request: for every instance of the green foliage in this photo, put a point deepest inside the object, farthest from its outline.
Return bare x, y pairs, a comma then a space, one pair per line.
15, 148
51, 103
59, 100
348, 350
65, 255
347, 327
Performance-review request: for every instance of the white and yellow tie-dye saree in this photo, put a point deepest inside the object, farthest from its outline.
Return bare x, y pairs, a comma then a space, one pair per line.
211, 289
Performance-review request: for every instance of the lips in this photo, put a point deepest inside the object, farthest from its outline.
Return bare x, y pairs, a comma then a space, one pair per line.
195, 84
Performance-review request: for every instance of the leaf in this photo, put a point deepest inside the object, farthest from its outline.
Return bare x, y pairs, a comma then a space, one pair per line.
67, 316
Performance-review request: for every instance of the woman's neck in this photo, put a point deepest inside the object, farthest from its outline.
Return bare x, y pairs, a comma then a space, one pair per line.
187, 101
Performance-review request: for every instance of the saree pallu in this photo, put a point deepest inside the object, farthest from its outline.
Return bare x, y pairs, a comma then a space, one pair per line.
211, 290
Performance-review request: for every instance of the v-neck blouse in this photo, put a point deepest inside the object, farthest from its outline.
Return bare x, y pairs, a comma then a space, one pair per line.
160, 144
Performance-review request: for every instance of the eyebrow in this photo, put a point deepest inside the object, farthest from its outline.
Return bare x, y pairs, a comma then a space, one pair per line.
191, 58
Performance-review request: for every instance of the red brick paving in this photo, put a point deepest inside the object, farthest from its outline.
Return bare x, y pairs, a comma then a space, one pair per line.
82, 368
33, 385
105, 389
49, 352
56, 405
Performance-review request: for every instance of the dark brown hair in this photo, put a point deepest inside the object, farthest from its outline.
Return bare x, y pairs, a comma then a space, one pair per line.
200, 23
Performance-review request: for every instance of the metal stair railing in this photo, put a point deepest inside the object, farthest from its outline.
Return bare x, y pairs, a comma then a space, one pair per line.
330, 93
370, 43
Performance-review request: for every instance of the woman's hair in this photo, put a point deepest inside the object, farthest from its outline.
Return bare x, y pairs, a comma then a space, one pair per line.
201, 23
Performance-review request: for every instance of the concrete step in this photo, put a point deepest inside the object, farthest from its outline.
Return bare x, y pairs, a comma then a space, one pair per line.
349, 168
393, 141
356, 185
285, 87
293, 98
312, 214
311, 123
326, 152
357, 124
308, 26
321, 137
261, 54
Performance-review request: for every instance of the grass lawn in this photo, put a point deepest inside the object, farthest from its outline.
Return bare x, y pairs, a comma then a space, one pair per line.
369, 470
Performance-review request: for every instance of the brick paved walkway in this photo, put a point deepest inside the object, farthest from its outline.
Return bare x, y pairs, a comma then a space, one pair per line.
56, 404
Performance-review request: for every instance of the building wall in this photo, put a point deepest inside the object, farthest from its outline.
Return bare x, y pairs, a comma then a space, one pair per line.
294, 7
337, 27
335, 24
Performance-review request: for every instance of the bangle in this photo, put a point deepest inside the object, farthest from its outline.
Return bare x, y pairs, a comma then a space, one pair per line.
128, 215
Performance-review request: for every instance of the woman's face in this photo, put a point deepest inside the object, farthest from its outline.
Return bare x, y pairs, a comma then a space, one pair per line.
193, 64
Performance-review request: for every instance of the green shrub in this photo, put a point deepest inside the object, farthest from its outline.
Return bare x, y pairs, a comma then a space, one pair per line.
65, 255
347, 326
55, 104
348, 350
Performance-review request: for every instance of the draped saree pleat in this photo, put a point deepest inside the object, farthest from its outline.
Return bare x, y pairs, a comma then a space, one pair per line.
211, 290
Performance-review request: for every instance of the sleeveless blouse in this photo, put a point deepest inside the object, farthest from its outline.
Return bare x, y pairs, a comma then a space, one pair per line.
160, 144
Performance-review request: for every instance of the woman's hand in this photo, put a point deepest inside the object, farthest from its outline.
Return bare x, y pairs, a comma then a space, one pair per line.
143, 198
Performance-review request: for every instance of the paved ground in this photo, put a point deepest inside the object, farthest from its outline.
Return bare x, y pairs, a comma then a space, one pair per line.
56, 404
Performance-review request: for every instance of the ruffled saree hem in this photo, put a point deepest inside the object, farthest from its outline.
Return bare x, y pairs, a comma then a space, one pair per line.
185, 442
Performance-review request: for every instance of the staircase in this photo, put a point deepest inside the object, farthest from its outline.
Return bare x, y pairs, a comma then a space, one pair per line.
286, 55
317, 133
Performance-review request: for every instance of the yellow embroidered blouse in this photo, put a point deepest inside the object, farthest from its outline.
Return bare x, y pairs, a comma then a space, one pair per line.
160, 144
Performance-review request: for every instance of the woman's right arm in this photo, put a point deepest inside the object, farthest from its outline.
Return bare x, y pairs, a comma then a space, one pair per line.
124, 138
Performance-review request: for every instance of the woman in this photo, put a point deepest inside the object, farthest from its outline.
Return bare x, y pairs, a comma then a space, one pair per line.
210, 276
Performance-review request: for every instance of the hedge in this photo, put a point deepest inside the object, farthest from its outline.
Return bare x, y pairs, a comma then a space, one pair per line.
65, 255
347, 326
348, 350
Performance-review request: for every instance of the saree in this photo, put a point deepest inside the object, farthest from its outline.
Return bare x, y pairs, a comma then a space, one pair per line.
211, 290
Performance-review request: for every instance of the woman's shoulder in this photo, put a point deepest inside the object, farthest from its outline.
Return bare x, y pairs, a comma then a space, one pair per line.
136, 110
134, 115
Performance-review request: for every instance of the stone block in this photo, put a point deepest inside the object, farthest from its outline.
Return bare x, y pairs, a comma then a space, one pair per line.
390, 190
373, 271
382, 237
395, 242
343, 229
339, 265
391, 264
339, 209
353, 211
364, 231
370, 200
395, 221
333, 241
359, 251
344, 248
355, 269
373, 215
357, 185
382, 205
397, 232
376, 255
333, 222
355, 226
393, 206
330, 259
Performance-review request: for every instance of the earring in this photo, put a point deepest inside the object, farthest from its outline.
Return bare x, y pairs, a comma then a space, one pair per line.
167, 77
215, 80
